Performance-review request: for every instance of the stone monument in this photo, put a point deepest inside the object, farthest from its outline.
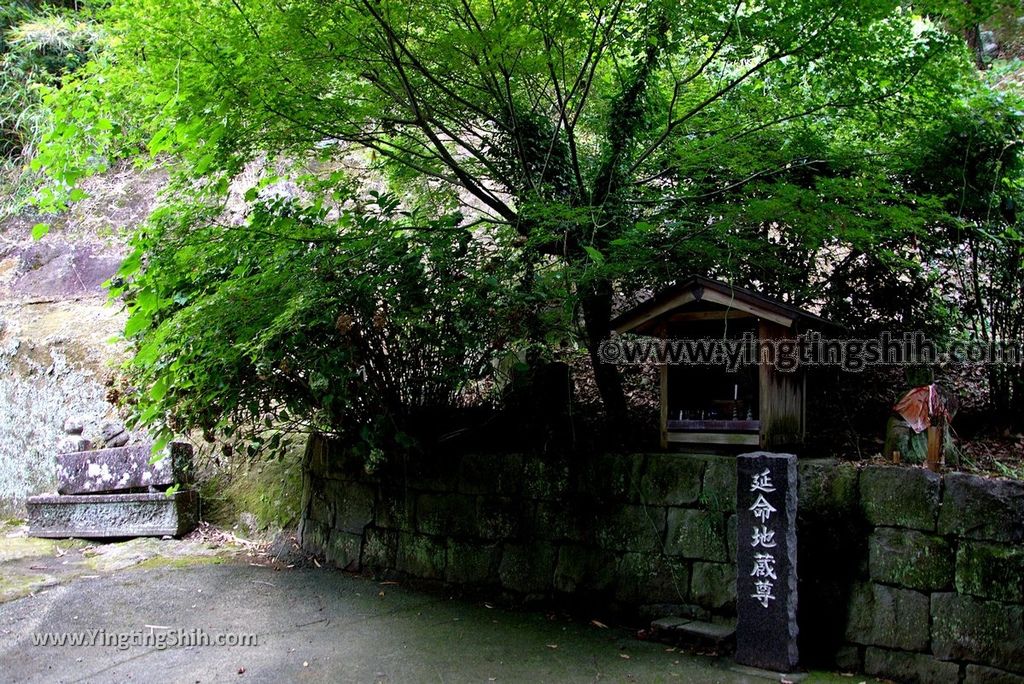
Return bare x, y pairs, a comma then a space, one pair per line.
766, 580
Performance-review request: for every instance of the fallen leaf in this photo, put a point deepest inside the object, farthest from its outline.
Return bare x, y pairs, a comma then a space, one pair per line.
552, 645
598, 623
624, 656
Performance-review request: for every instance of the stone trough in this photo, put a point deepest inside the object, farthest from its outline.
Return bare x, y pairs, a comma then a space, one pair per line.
116, 493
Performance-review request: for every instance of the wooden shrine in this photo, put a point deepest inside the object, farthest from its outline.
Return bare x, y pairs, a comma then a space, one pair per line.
706, 403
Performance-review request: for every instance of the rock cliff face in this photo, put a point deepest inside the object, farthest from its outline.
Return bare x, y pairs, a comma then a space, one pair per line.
55, 323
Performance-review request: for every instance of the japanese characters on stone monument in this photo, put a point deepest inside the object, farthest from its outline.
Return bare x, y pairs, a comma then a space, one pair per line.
766, 629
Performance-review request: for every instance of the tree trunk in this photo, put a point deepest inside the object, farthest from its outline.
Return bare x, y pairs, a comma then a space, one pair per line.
972, 35
1016, 412
597, 309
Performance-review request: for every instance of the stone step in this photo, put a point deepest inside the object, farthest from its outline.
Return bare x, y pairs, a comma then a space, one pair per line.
122, 469
105, 516
677, 628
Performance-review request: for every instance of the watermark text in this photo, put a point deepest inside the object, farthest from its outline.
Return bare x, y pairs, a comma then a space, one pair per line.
153, 636
812, 349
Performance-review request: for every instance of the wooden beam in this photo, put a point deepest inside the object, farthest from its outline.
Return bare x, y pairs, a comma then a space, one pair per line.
781, 405
803, 405
673, 303
934, 456
734, 438
753, 309
664, 405
708, 315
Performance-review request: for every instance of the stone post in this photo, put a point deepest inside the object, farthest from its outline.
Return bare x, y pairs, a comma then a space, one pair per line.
766, 580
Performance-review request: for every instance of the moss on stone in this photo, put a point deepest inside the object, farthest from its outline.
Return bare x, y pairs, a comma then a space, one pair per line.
380, 549
395, 509
16, 585
491, 474
982, 508
698, 534
344, 549
631, 528
470, 563
880, 615
713, 585
179, 562
966, 628
546, 478
672, 479
421, 556
445, 514
994, 571
613, 478
910, 559
719, 489
651, 577
909, 667
827, 487
528, 568
271, 491
14, 547
900, 497
498, 518
586, 568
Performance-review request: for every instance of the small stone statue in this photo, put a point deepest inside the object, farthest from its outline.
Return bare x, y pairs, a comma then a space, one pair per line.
73, 441
112, 433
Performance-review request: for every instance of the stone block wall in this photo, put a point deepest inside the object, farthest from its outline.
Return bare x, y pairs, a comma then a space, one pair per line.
940, 597
904, 574
647, 534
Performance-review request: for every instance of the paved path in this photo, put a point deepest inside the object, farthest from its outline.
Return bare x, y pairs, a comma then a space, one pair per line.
317, 625
310, 625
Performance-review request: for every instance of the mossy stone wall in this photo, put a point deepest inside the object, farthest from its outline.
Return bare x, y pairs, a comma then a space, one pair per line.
904, 574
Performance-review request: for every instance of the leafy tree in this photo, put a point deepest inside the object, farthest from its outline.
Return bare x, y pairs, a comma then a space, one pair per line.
976, 166
607, 143
365, 322
37, 48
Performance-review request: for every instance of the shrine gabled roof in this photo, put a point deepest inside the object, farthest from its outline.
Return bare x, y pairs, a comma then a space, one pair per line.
700, 289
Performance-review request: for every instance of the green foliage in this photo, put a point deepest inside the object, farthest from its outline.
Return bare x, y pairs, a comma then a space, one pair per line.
309, 316
39, 46
36, 51
536, 158
977, 166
